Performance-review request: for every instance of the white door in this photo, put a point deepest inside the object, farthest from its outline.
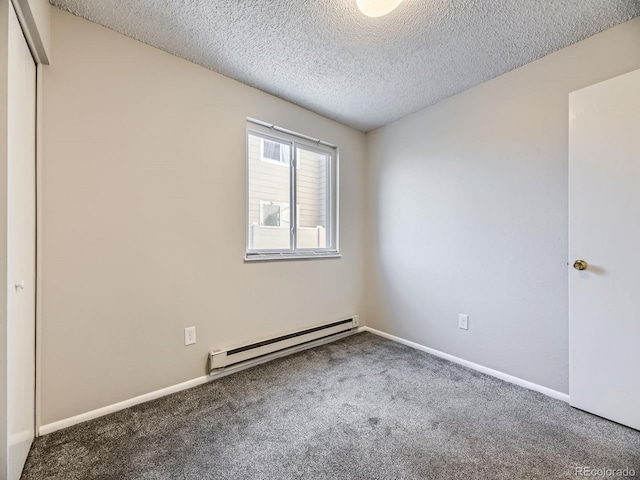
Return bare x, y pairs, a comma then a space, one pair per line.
604, 232
21, 247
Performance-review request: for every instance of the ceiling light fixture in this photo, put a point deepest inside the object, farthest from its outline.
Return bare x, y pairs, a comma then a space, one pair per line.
377, 8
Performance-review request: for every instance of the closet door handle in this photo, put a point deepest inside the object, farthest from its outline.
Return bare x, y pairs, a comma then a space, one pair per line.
580, 265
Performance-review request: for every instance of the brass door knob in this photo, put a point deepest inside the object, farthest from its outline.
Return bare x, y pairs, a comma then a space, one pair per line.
580, 265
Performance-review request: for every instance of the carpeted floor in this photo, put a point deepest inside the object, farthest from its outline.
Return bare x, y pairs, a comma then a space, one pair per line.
359, 408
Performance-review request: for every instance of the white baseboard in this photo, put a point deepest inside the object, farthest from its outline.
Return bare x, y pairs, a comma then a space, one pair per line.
83, 417
489, 371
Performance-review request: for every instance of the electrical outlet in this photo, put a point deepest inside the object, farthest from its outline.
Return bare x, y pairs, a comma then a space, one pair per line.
463, 321
190, 336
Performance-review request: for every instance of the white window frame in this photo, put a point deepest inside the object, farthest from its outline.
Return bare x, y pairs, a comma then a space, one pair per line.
295, 140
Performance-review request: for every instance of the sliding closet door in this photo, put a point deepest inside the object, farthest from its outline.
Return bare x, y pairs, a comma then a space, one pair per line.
21, 248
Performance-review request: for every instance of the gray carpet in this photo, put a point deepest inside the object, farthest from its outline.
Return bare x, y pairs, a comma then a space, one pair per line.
359, 408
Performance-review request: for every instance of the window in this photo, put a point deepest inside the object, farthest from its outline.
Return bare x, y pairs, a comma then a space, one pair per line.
286, 169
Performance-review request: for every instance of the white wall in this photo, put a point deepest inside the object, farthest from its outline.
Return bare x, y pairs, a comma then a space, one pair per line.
468, 214
143, 221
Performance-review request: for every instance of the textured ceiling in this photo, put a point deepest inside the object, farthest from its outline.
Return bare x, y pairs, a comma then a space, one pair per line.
365, 72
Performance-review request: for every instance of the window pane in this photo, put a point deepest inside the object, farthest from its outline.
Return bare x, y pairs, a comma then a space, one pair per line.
270, 215
269, 194
312, 198
271, 151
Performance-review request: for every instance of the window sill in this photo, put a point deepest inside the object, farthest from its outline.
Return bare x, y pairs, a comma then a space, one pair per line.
276, 257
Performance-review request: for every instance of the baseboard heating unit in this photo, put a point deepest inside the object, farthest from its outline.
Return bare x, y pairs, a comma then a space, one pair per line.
265, 350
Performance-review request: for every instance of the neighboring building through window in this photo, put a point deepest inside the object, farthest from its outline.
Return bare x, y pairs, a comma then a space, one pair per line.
271, 151
309, 182
274, 214
269, 214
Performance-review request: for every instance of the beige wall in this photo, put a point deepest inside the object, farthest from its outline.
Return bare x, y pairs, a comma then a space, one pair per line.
141, 151
469, 214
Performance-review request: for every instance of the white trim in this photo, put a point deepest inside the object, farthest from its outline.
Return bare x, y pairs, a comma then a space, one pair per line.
39, 241
30, 31
269, 257
83, 417
115, 407
68, 422
480, 368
